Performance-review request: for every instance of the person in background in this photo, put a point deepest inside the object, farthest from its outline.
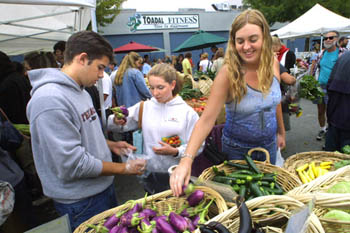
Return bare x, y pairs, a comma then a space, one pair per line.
313, 59
213, 49
145, 68
286, 79
325, 62
218, 61
130, 84
71, 154
14, 91
249, 85
58, 50
284, 55
107, 89
112, 68
200, 59
338, 111
343, 42
165, 115
205, 64
287, 57
178, 64
186, 64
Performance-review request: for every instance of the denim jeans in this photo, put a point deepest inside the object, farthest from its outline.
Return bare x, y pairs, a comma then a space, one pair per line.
83, 210
237, 152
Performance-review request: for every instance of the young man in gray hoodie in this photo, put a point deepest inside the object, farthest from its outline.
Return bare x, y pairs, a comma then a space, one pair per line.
72, 157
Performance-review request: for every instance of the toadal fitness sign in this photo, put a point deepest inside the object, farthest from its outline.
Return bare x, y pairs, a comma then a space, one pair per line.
155, 22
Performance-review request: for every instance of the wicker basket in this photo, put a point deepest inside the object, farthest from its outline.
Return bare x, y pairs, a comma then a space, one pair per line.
322, 183
316, 190
297, 160
324, 201
287, 180
161, 201
280, 205
330, 225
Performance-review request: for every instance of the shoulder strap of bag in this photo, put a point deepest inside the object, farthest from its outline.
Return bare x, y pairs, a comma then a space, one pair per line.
3, 116
140, 115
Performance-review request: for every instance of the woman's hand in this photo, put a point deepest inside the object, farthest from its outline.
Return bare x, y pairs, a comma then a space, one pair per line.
180, 176
166, 149
281, 140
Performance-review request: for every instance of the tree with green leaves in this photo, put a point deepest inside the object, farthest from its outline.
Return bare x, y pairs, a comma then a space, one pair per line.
287, 10
106, 11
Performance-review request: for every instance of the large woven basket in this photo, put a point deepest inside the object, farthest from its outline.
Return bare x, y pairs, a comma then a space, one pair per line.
281, 206
297, 160
285, 179
324, 202
161, 201
316, 190
322, 183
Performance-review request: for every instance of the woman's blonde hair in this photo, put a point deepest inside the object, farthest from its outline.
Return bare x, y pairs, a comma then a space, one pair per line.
204, 55
169, 74
129, 61
238, 86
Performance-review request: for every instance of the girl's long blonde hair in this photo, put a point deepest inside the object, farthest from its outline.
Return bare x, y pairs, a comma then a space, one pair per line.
238, 86
129, 61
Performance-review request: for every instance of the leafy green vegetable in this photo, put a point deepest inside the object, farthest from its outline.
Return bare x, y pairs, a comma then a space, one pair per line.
346, 149
340, 187
23, 128
187, 93
337, 215
341, 163
310, 89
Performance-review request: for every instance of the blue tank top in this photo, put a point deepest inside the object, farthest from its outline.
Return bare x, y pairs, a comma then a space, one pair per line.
252, 122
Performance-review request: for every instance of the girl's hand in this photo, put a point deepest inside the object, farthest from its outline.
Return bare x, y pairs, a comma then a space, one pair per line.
118, 121
166, 149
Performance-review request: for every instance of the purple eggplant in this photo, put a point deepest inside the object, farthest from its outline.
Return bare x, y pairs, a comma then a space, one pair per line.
190, 225
245, 220
195, 220
113, 220
195, 198
148, 214
164, 227
130, 220
124, 110
146, 226
160, 217
115, 229
123, 229
178, 222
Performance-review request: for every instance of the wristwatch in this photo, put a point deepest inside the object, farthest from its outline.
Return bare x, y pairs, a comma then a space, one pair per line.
184, 155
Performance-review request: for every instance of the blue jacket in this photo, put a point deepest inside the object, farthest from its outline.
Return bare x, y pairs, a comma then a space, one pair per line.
133, 89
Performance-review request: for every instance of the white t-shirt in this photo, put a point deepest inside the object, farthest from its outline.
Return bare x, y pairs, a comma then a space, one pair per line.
205, 64
107, 90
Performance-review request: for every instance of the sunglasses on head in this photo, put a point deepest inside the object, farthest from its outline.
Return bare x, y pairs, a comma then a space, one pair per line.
329, 37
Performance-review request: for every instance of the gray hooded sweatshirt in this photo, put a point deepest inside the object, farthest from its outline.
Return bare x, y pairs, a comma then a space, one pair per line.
67, 139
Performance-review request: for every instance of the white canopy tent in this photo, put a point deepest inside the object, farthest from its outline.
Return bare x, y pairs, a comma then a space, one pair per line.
314, 22
31, 25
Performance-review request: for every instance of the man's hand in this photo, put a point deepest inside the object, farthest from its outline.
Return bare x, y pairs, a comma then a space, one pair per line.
118, 121
120, 148
166, 149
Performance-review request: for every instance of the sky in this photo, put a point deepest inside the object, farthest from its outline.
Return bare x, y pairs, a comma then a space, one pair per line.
173, 5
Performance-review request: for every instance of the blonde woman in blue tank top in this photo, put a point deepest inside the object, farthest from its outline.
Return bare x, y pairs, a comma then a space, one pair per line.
248, 84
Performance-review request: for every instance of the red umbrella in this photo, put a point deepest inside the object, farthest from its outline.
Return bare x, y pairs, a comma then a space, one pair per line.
133, 46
